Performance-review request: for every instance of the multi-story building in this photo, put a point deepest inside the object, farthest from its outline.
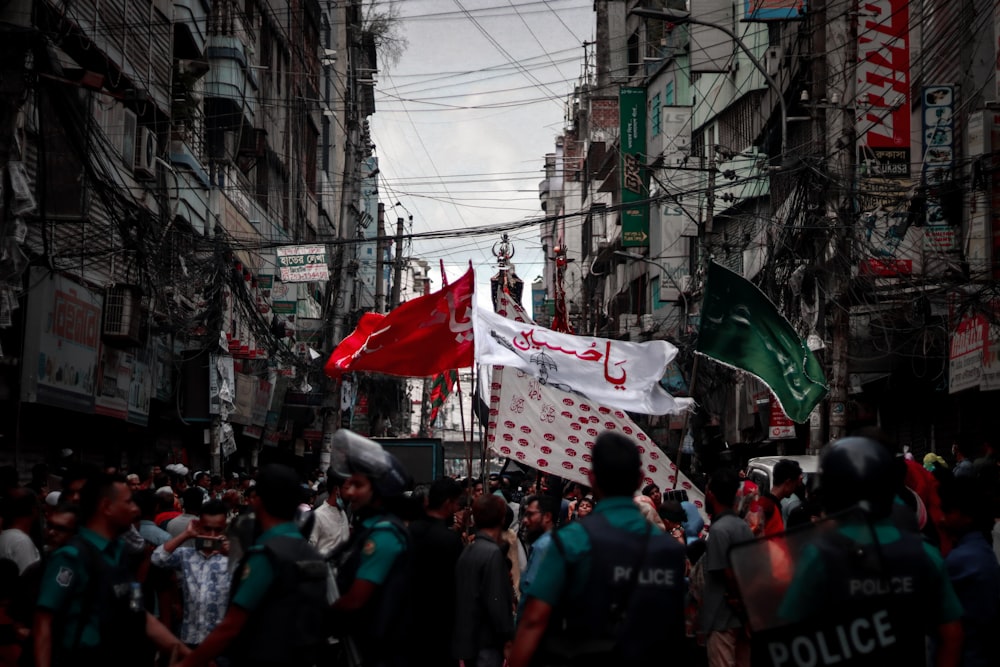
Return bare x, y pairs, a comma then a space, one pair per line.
838, 160
165, 164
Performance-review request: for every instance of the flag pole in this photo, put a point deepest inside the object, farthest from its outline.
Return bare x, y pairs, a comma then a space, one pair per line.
687, 422
461, 412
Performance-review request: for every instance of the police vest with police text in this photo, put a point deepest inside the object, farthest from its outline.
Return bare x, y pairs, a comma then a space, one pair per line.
871, 607
633, 606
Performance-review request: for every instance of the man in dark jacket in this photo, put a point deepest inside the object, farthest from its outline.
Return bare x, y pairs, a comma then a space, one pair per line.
436, 548
484, 596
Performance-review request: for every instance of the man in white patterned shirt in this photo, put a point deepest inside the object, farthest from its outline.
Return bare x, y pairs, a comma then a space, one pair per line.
331, 527
204, 570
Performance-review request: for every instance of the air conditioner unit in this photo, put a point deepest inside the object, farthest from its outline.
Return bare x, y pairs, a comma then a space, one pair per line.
145, 155
685, 284
122, 314
647, 323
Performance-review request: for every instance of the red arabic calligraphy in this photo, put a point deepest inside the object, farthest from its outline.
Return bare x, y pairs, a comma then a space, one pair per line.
529, 340
460, 326
607, 374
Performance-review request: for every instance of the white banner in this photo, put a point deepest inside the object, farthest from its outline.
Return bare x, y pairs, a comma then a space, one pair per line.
614, 373
552, 431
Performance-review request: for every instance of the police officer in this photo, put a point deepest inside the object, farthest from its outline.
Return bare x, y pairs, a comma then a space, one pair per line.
610, 590
278, 594
90, 609
864, 591
373, 565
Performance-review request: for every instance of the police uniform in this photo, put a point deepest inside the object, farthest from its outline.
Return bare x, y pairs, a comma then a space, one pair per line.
616, 586
97, 607
384, 544
281, 585
865, 594
377, 552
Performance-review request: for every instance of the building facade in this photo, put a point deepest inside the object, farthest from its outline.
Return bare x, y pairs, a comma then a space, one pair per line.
840, 161
187, 213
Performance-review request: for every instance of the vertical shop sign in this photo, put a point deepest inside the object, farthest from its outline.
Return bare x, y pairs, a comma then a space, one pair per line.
965, 356
938, 104
634, 177
883, 88
990, 380
781, 426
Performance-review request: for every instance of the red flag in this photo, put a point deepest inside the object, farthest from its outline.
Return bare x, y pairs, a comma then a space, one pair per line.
423, 337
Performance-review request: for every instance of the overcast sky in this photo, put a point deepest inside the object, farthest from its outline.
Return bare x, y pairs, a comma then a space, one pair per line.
463, 122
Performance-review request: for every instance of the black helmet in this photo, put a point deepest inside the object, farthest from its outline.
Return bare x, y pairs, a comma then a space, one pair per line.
857, 471
353, 453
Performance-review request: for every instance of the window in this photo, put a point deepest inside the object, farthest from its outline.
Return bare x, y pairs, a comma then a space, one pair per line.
668, 95
656, 111
633, 54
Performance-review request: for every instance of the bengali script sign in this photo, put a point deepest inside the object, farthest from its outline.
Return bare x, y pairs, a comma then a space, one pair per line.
302, 264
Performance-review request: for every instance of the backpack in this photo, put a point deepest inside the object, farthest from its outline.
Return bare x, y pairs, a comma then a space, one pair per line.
288, 626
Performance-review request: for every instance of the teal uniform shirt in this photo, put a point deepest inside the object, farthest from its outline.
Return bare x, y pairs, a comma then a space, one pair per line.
553, 572
380, 550
64, 585
257, 573
801, 599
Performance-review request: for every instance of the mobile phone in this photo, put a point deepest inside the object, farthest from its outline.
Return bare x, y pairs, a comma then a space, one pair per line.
675, 494
207, 543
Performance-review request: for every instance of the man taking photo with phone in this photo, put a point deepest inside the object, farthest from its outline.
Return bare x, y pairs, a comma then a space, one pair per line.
204, 571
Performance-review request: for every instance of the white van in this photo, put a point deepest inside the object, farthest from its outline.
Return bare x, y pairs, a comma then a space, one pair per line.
760, 469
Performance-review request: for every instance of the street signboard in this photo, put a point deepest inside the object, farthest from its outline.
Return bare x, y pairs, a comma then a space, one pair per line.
965, 355
634, 177
773, 10
302, 264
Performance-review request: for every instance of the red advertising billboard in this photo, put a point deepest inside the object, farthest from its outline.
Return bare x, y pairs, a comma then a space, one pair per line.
883, 87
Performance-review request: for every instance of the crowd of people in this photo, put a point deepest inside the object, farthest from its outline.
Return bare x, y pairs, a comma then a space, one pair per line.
355, 566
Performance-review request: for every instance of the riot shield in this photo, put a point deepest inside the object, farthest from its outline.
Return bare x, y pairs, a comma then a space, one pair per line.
828, 593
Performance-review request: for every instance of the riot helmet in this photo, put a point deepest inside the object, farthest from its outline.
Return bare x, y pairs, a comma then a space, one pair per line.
857, 471
356, 454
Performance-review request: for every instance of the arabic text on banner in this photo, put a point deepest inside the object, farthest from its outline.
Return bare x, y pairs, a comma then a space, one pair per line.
614, 373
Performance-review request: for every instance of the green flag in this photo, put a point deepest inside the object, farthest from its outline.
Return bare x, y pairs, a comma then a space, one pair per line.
741, 327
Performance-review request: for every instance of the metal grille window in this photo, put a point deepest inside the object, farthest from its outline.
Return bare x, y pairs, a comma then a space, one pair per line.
739, 123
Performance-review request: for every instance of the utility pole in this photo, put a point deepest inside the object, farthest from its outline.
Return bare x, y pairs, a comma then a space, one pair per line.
710, 194
379, 265
842, 41
397, 273
817, 149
